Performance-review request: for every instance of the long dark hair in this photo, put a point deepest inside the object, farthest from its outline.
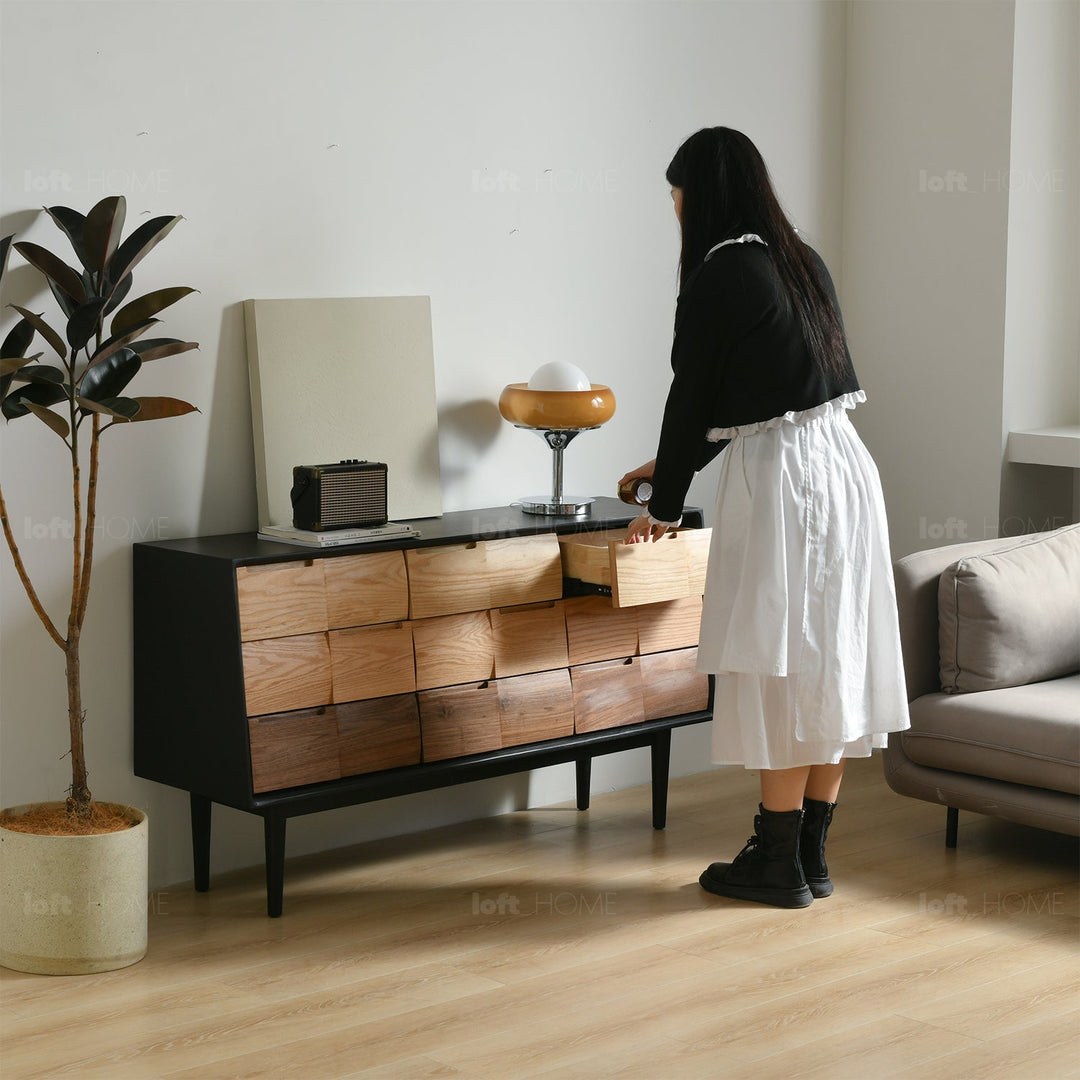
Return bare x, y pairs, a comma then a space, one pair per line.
726, 191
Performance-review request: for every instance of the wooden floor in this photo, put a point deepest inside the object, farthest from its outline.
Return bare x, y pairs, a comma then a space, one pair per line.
548, 943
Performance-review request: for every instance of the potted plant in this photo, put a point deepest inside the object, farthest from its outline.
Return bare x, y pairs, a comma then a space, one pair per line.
73, 874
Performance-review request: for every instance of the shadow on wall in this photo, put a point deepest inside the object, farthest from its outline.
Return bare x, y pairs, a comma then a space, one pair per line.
466, 431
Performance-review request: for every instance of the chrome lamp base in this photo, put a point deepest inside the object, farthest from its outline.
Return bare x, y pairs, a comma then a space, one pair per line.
558, 505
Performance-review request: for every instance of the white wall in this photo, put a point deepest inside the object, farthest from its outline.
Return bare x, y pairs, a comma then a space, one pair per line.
504, 158
1042, 318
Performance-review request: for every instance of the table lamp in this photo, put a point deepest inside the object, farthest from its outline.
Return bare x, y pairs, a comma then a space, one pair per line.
558, 403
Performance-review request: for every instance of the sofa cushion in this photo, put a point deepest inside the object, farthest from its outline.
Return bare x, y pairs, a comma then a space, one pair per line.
1022, 734
1011, 616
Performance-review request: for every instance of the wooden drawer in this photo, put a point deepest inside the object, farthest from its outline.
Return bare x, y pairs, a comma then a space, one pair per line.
372, 661
535, 707
453, 649
607, 694
282, 674
529, 638
365, 589
281, 598
459, 720
483, 574
524, 569
597, 630
674, 624
381, 733
294, 748
668, 569
671, 684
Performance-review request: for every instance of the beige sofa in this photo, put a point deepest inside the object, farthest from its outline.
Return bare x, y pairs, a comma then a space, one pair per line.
990, 632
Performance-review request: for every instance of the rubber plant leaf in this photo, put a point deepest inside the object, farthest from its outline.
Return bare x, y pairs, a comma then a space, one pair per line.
15, 404
119, 294
53, 420
55, 269
45, 330
85, 322
71, 222
120, 408
65, 303
101, 232
10, 364
107, 379
18, 340
42, 373
138, 245
157, 408
107, 348
146, 306
5, 251
158, 348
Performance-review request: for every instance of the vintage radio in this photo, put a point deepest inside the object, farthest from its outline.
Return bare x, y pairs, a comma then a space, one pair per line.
348, 495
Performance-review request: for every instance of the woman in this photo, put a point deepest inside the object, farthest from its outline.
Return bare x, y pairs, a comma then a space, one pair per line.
799, 621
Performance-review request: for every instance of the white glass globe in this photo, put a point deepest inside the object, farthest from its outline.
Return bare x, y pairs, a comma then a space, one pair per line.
559, 375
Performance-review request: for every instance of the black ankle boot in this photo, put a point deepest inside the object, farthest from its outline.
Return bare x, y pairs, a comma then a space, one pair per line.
817, 817
768, 869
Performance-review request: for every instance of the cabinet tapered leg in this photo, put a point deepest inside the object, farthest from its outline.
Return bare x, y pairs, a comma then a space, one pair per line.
584, 782
200, 840
274, 836
661, 759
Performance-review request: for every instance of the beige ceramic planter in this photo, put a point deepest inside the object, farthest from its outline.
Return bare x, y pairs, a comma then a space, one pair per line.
72, 905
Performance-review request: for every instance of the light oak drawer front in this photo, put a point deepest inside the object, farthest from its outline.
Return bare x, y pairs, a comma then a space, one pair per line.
381, 733
607, 694
674, 624
523, 569
372, 661
452, 649
671, 568
671, 684
447, 580
483, 574
295, 748
529, 638
365, 589
283, 598
536, 707
281, 674
597, 630
459, 720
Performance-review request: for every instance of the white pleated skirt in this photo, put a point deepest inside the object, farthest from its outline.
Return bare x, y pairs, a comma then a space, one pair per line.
799, 620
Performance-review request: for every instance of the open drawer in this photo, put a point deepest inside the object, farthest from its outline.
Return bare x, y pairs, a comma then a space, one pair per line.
669, 569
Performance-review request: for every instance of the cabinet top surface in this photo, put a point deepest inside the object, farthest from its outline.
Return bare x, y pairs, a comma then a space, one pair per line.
458, 526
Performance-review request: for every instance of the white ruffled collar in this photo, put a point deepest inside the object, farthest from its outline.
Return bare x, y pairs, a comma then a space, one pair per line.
746, 238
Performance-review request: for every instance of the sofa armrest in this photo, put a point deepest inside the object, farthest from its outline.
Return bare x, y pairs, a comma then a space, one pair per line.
916, 578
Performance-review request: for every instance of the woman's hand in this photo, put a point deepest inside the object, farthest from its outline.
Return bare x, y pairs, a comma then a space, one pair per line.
644, 471
641, 530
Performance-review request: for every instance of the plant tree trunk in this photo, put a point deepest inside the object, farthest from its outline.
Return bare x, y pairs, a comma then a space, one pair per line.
79, 800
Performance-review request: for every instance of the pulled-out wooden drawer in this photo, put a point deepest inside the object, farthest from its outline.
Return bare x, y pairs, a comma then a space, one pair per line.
597, 630
671, 684
482, 574
281, 599
607, 694
674, 624
459, 720
366, 589
535, 707
453, 649
531, 637
671, 568
282, 674
372, 661
294, 748
381, 733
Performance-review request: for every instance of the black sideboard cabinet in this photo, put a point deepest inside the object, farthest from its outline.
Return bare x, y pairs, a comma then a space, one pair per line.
232, 703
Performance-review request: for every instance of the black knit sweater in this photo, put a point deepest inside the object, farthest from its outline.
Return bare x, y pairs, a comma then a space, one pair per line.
739, 357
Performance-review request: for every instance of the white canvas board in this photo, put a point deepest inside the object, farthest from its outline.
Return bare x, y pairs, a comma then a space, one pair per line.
340, 378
